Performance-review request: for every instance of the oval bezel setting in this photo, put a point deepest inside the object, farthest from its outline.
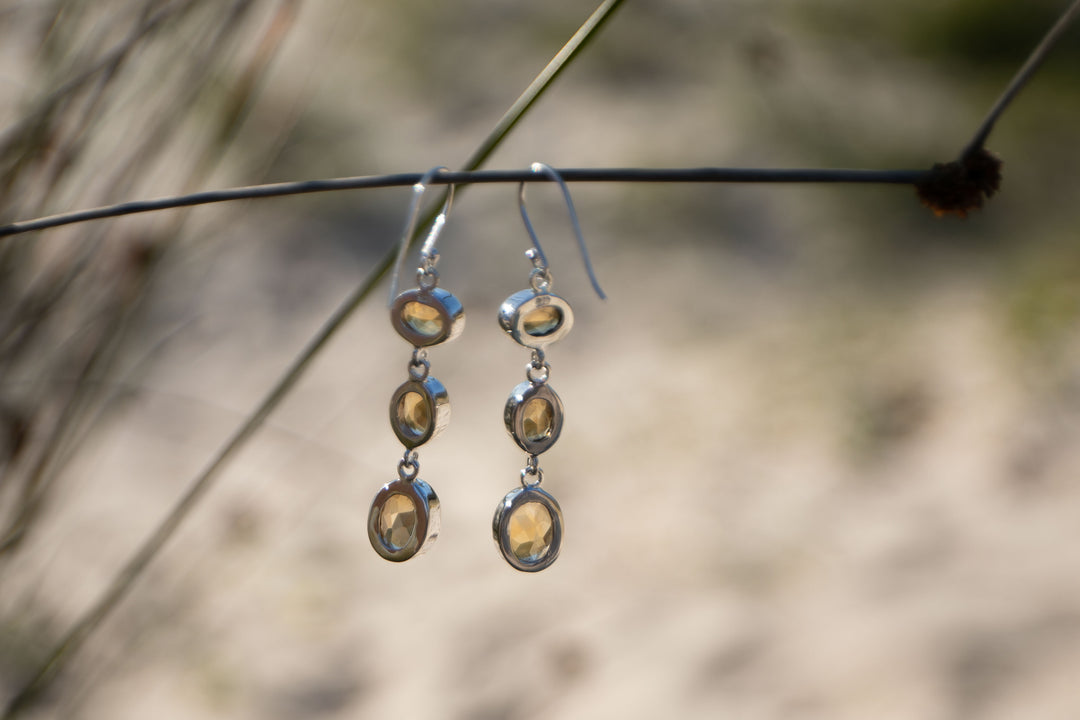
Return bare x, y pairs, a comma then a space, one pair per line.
450, 312
516, 309
426, 505
437, 405
500, 527
514, 415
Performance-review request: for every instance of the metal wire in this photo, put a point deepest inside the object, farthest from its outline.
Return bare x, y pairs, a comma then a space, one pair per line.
615, 175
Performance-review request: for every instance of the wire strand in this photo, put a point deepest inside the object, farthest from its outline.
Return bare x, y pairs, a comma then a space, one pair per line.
367, 182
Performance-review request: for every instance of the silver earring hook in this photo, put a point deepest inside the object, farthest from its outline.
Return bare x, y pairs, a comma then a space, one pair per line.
427, 250
538, 167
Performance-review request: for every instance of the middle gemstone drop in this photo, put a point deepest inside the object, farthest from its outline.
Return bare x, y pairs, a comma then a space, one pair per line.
413, 413
538, 419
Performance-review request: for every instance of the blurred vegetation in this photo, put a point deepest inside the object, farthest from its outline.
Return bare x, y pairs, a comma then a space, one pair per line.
114, 100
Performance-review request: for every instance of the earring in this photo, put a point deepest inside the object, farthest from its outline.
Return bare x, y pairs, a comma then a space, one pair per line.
528, 523
404, 517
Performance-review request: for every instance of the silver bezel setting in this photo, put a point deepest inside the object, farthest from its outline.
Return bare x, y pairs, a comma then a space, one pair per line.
427, 519
515, 308
438, 405
514, 415
451, 313
500, 526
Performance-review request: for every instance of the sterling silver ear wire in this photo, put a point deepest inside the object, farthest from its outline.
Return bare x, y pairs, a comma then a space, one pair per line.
528, 523
404, 517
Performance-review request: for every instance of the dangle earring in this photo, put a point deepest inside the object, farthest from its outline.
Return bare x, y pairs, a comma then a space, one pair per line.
404, 517
528, 523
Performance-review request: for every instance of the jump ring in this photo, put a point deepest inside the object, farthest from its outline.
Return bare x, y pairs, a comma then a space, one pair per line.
537, 375
539, 474
409, 467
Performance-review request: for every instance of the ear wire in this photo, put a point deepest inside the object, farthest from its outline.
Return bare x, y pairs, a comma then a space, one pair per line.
427, 251
550, 172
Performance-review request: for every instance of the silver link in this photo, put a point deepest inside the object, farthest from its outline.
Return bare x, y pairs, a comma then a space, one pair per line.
532, 468
538, 370
427, 277
540, 280
419, 367
409, 467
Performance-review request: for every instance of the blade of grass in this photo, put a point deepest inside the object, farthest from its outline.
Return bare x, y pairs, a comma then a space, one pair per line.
543, 81
50, 459
1022, 77
78, 633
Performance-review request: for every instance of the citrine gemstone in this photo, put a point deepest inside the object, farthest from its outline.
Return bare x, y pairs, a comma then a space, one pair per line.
542, 321
530, 531
413, 414
397, 521
422, 318
538, 419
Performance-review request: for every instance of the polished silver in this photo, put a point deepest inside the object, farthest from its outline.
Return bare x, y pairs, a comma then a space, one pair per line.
450, 311
516, 309
426, 529
514, 416
500, 527
437, 407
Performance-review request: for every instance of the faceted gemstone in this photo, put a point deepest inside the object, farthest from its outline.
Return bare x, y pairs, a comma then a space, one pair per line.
397, 521
422, 318
413, 414
542, 321
538, 419
530, 530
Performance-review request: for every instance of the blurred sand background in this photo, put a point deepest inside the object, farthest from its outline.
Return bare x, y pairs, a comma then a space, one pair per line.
820, 454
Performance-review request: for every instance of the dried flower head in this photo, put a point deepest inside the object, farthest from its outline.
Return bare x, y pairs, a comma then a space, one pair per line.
961, 185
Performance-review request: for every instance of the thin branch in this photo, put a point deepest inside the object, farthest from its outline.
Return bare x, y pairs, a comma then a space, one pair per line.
536, 88
366, 182
1022, 77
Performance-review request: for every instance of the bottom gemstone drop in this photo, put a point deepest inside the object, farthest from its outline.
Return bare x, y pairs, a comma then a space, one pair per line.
530, 532
528, 528
397, 521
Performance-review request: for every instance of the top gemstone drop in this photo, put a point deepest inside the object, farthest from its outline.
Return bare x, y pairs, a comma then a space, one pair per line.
542, 321
422, 318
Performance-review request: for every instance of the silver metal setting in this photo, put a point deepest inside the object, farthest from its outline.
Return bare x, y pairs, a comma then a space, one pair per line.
426, 529
437, 406
514, 416
517, 308
500, 526
450, 312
